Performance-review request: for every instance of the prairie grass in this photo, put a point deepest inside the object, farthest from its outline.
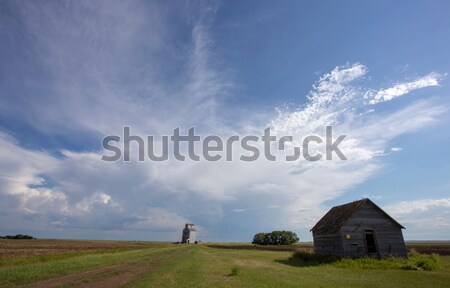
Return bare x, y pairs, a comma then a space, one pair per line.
18, 261
234, 271
63, 264
202, 266
414, 261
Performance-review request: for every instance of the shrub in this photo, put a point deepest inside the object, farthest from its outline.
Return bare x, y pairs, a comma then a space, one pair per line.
415, 261
312, 258
275, 238
235, 271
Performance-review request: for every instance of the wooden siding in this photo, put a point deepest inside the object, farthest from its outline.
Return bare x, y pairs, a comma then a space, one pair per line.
328, 244
349, 240
388, 235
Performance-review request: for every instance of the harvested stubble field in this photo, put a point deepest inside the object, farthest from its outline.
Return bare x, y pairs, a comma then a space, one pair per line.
440, 248
70, 263
33, 247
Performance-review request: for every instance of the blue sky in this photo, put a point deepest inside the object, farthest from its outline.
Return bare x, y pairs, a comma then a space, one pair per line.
74, 72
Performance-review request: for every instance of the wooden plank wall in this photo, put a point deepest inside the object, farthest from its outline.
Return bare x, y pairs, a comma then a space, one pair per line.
388, 235
328, 244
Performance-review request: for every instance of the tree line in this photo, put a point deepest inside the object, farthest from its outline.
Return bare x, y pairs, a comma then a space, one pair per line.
275, 238
18, 236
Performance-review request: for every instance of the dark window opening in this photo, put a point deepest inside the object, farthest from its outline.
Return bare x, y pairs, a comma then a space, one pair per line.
370, 242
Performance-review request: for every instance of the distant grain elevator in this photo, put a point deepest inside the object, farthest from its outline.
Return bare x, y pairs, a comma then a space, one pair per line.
358, 229
189, 234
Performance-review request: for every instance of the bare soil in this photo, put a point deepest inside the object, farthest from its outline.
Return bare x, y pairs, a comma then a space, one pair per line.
440, 249
35, 247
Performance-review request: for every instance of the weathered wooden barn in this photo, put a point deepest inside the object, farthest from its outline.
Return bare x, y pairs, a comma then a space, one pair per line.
358, 229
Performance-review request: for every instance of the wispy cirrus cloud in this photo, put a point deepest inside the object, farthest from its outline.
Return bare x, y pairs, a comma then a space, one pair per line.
401, 89
118, 62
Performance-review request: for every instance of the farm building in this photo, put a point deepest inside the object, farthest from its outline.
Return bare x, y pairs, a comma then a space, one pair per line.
189, 234
358, 229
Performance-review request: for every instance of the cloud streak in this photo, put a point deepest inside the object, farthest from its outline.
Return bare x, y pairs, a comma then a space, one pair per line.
401, 89
423, 205
423, 217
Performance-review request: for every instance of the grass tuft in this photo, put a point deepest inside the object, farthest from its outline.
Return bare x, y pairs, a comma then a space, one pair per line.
235, 271
417, 261
313, 259
414, 261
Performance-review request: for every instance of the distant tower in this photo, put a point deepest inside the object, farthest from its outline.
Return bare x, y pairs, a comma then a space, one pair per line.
189, 234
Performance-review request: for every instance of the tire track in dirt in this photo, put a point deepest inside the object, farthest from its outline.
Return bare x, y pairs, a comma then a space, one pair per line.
111, 276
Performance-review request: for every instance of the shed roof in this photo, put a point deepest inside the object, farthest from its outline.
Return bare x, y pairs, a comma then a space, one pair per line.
338, 215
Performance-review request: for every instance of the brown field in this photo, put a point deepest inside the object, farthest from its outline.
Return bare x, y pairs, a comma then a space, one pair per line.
34, 247
429, 248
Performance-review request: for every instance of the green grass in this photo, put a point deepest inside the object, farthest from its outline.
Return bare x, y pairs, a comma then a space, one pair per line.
234, 271
414, 261
63, 264
4, 262
202, 266
208, 267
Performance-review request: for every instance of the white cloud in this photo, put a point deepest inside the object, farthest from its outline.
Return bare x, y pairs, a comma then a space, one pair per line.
159, 219
93, 202
243, 209
424, 219
423, 205
401, 89
267, 187
76, 200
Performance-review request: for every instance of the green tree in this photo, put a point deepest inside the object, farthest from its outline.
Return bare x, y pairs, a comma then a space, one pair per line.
259, 238
276, 238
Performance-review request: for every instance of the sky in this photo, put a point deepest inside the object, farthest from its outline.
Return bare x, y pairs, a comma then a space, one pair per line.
75, 72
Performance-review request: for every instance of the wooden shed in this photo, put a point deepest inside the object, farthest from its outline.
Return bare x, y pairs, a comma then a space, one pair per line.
358, 229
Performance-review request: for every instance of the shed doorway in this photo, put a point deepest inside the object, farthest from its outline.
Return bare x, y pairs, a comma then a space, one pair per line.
371, 243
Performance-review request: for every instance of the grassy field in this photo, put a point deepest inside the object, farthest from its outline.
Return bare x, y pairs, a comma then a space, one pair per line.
63, 263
